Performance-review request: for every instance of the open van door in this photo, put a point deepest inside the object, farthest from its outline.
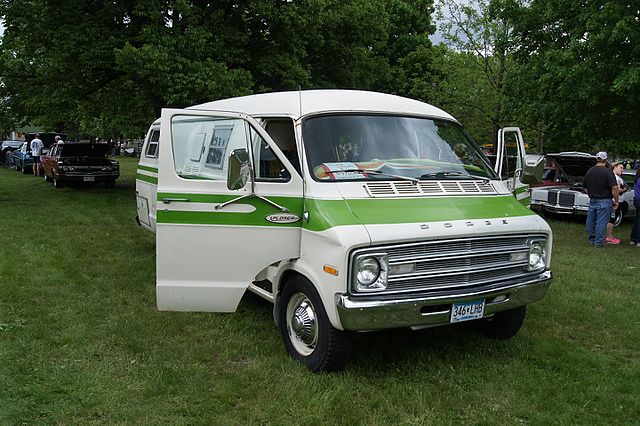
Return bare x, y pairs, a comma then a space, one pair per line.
510, 156
219, 226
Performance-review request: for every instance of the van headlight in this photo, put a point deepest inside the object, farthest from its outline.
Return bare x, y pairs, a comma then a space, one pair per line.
370, 272
537, 255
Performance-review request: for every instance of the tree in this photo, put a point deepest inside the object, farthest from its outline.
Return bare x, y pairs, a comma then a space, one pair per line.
110, 66
480, 37
581, 66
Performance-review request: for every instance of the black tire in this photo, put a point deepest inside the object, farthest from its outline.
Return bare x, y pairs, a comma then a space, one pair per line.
306, 330
25, 170
56, 182
111, 183
619, 215
504, 325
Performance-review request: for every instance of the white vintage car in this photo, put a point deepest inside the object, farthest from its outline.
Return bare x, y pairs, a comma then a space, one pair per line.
562, 192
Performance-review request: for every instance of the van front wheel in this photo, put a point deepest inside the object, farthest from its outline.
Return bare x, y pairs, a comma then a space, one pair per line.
307, 332
506, 324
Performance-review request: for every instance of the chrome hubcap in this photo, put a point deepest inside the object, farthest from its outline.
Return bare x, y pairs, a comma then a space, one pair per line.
301, 324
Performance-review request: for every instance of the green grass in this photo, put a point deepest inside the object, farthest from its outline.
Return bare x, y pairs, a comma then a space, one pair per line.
82, 342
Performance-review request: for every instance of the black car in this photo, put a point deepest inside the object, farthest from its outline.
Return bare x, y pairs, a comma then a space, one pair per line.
80, 162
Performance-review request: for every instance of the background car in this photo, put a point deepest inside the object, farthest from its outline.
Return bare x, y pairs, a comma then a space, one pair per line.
6, 152
80, 162
22, 158
565, 195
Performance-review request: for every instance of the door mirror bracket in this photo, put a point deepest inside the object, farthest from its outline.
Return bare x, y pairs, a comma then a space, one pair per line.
238, 173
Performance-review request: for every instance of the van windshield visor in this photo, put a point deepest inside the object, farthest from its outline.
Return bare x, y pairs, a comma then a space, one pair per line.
378, 147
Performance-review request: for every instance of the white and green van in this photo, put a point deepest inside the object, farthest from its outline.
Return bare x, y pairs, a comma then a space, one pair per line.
350, 211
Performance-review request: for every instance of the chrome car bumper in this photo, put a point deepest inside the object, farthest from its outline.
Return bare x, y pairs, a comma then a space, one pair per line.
363, 314
555, 208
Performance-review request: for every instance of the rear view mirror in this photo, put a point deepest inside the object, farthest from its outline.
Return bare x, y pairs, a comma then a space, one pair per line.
533, 169
239, 170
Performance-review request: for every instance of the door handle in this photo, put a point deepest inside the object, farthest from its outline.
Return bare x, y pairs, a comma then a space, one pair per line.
168, 200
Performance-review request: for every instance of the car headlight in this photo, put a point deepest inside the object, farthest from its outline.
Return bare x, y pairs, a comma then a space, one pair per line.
537, 255
370, 272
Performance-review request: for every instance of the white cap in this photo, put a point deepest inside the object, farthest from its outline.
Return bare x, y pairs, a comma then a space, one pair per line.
601, 155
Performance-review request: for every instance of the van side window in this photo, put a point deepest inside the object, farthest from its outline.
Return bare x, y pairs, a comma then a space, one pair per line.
152, 147
281, 131
202, 145
268, 168
511, 160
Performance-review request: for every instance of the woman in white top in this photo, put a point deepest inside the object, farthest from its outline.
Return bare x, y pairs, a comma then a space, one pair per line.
617, 171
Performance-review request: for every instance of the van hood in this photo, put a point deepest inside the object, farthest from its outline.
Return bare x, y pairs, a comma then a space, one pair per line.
430, 212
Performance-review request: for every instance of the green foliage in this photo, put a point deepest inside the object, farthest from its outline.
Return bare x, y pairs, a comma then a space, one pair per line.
108, 68
477, 64
580, 64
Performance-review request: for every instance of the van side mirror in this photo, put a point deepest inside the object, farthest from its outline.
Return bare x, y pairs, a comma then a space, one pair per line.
239, 169
533, 169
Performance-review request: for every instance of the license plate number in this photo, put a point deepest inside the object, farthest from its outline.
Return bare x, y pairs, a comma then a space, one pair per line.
88, 179
467, 311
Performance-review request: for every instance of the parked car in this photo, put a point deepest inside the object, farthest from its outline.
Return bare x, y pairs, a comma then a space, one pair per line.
6, 152
80, 162
562, 192
22, 158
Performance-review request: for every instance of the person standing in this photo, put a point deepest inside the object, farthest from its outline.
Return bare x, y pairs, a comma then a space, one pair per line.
601, 185
635, 231
36, 149
617, 169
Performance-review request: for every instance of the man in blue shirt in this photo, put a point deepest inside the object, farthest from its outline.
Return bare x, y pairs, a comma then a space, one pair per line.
635, 231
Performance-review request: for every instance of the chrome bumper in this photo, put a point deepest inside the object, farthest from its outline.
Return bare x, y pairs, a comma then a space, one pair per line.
359, 314
555, 208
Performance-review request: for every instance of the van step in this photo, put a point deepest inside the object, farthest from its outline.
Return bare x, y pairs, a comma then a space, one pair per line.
266, 285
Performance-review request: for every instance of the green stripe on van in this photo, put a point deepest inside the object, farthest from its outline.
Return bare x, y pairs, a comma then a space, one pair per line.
147, 168
150, 179
325, 214
255, 218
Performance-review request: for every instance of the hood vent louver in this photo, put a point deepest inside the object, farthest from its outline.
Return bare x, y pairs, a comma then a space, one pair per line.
408, 189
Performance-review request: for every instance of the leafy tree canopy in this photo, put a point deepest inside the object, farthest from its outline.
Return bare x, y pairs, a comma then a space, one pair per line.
108, 67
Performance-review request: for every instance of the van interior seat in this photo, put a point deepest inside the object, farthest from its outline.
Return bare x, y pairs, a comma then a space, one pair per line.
281, 131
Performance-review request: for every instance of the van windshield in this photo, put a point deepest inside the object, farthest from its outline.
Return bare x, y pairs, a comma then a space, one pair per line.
375, 147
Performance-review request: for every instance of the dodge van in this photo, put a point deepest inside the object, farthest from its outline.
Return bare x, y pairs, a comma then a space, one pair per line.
350, 211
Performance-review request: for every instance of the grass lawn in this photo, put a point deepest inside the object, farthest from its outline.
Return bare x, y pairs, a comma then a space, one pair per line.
82, 342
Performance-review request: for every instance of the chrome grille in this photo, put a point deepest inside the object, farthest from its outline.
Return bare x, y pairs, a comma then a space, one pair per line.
553, 197
566, 198
455, 263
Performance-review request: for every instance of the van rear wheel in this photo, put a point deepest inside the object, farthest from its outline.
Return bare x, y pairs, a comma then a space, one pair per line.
306, 330
506, 324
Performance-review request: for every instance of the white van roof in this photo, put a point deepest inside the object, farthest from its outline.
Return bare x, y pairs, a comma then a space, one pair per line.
322, 101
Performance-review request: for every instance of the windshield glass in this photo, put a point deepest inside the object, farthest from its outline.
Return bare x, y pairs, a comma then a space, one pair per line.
375, 147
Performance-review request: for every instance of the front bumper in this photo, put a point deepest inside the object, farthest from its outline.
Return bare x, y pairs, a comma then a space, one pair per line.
358, 314
558, 209
103, 177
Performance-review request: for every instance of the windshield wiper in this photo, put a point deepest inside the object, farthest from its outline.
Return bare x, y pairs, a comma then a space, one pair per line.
379, 173
452, 174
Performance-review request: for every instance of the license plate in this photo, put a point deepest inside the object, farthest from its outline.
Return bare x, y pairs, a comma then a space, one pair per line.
88, 179
467, 311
